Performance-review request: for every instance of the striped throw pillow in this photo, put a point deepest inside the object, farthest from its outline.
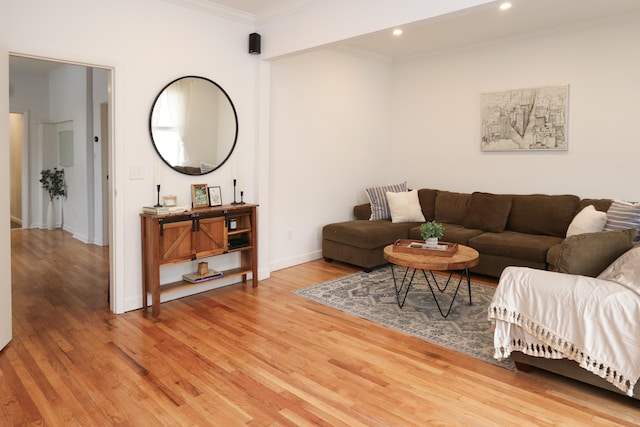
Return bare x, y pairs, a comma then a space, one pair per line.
378, 200
622, 216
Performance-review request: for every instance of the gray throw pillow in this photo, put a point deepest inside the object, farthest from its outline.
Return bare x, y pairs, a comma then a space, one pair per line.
378, 200
623, 215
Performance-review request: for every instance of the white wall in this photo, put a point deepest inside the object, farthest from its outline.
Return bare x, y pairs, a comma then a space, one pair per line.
31, 94
147, 43
329, 132
16, 126
68, 103
5, 236
100, 93
150, 42
437, 113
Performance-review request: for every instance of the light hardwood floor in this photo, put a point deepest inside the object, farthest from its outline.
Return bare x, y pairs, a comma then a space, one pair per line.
244, 356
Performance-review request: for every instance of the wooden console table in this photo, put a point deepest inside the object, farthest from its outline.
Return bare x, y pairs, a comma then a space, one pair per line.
196, 234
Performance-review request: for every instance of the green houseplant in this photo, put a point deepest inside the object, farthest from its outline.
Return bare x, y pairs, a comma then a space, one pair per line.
431, 231
53, 182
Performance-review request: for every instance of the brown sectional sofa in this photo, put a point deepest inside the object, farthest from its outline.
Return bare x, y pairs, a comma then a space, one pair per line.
506, 229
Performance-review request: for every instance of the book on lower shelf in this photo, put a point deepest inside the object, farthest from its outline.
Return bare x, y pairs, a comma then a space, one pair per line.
197, 278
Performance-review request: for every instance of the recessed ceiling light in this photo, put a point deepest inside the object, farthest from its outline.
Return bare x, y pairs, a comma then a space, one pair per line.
505, 6
397, 32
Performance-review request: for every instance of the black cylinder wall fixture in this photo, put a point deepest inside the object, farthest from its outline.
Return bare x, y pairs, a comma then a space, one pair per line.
254, 43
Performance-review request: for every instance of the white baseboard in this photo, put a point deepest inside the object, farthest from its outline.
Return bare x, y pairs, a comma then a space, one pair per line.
299, 259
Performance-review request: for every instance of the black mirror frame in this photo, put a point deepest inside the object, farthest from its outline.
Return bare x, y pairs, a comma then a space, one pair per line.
235, 115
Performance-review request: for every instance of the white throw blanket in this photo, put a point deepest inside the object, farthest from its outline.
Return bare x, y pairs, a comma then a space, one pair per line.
553, 315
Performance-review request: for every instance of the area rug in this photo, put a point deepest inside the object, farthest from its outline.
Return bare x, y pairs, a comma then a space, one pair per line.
372, 296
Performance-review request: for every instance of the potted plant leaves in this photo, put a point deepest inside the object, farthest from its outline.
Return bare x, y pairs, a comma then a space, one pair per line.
431, 231
53, 182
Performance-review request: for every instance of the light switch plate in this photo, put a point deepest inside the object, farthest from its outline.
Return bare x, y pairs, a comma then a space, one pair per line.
136, 172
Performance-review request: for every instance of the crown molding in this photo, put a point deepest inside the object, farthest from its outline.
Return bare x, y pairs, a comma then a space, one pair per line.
216, 9
213, 8
290, 8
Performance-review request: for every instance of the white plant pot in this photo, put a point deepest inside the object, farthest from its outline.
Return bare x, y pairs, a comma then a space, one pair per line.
51, 216
431, 242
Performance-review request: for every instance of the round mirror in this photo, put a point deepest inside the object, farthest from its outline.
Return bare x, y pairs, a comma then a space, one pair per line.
193, 125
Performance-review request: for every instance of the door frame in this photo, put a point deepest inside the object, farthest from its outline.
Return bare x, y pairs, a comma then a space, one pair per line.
6, 325
116, 286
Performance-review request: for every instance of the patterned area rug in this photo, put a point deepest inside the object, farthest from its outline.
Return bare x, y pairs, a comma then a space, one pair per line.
372, 297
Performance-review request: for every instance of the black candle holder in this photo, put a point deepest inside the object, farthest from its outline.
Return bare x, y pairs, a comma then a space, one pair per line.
241, 196
234, 193
157, 205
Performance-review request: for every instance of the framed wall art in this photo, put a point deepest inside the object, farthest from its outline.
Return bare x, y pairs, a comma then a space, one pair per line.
215, 196
199, 195
533, 119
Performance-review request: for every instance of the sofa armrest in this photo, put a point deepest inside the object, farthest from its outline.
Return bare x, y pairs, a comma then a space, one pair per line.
589, 254
362, 211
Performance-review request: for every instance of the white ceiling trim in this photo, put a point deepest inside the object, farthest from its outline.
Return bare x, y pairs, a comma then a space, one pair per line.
217, 9
287, 9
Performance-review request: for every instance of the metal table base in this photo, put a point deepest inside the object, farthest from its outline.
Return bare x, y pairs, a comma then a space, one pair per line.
407, 281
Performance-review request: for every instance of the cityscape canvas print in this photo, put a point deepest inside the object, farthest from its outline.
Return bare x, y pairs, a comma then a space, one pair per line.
533, 119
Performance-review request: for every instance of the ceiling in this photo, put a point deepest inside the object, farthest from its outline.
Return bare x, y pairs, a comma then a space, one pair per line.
470, 26
485, 23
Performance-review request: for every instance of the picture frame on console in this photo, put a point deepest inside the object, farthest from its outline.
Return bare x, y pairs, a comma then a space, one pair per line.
199, 196
215, 196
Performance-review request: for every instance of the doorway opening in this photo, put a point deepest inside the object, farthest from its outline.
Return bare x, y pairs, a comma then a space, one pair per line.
44, 95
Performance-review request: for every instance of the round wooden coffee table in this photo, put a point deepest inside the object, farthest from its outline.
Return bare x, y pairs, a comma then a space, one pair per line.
460, 261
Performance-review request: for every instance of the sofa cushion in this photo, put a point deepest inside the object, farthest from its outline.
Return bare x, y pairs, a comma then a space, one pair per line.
378, 200
367, 234
427, 199
589, 253
599, 204
623, 215
516, 245
454, 233
542, 214
488, 212
451, 207
625, 270
405, 206
588, 220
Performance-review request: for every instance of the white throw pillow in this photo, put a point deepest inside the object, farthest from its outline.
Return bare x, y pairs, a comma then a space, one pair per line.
625, 270
588, 220
405, 206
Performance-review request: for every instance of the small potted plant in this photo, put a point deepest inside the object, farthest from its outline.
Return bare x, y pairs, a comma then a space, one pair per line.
431, 231
53, 182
